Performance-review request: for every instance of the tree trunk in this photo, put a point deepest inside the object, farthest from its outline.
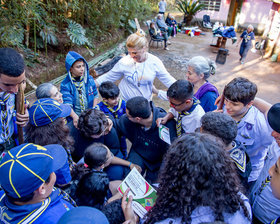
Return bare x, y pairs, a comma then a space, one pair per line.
188, 19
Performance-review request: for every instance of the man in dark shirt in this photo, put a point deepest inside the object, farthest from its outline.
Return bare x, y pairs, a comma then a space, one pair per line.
139, 126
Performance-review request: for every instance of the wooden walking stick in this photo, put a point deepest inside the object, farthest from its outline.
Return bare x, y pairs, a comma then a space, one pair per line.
20, 108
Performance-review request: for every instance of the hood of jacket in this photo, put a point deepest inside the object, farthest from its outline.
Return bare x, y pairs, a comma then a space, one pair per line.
71, 58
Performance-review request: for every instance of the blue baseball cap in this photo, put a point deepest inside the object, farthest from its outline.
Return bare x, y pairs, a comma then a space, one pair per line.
46, 110
83, 215
26, 167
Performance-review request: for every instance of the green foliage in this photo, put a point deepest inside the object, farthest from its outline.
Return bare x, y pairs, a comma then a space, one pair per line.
190, 8
37, 24
77, 34
11, 36
48, 34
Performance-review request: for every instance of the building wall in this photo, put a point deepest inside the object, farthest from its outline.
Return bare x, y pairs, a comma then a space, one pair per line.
255, 12
217, 16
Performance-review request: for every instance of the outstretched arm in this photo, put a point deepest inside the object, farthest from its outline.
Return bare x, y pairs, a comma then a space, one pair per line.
262, 105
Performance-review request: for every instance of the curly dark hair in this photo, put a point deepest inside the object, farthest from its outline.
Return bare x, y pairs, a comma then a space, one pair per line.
113, 212
220, 125
54, 133
197, 172
240, 90
92, 122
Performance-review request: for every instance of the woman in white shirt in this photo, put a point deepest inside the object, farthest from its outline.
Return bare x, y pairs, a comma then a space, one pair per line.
137, 70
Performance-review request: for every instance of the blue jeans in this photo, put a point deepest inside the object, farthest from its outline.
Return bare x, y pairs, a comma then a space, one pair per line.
244, 50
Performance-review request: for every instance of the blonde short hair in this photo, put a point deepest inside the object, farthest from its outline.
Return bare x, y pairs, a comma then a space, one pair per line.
137, 40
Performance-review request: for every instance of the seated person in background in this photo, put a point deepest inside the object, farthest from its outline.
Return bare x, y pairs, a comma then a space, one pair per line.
253, 131
170, 21
198, 184
48, 90
156, 34
162, 25
27, 178
225, 128
265, 204
78, 88
47, 126
199, 70
139, 126
184, 106
114, 105
95, 127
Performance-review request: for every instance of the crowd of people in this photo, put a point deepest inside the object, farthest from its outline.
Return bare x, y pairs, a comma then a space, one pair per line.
222, 165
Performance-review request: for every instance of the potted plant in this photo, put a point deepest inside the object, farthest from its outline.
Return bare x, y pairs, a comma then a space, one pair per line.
189, 8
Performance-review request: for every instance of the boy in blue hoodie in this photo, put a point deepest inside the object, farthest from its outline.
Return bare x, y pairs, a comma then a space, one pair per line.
78, 87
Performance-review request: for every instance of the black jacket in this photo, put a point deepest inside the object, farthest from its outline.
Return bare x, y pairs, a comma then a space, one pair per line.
147, 144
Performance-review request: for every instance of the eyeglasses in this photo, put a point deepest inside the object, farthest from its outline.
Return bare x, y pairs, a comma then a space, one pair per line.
175, 105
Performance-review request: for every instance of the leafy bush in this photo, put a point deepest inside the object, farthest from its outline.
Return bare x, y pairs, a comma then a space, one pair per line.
77, 34
189, 8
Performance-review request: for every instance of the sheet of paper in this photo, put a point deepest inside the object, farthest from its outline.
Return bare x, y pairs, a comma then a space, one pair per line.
164, 134
144, 195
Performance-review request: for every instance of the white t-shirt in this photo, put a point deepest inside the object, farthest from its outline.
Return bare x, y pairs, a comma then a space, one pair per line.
138, 78
192, 121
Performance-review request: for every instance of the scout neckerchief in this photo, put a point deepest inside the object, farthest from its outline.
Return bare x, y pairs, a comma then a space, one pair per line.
114, 112
264, 184
184, 113
37, 212
70, 159
4, 116
276, 221
79, 86
239, 157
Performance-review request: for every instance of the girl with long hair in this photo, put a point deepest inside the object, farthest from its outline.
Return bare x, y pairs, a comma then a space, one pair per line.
199, 184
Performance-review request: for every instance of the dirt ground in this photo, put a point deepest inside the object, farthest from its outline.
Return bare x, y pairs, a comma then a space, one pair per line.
263, 72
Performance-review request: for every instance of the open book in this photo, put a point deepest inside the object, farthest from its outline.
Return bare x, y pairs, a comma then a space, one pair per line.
144, 195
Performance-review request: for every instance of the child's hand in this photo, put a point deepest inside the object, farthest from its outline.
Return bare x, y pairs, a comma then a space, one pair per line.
127, 208
136, 166
217, 101
75, 118
218, 111
161, 120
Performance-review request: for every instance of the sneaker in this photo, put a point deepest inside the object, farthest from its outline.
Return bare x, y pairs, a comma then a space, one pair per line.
168, 42
166, 48
242, 62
